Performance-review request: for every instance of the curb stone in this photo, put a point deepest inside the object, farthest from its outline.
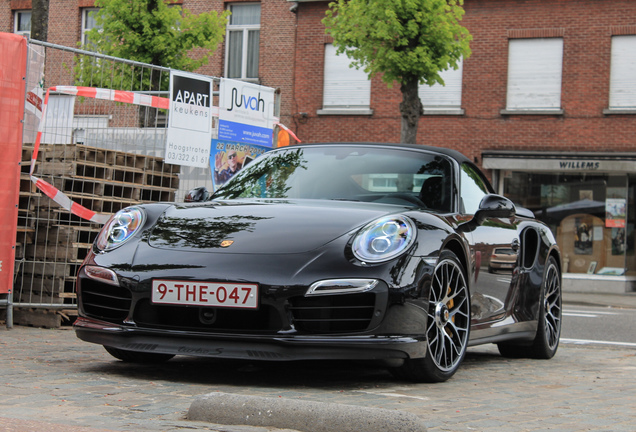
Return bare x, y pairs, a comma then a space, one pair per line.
299, 415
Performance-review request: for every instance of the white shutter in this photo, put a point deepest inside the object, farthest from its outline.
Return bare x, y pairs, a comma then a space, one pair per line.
444, 96
534, 74
344, 87
623, 72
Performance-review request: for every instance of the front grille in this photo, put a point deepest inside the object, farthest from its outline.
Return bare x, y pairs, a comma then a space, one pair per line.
103, 301
333, 314
264, 319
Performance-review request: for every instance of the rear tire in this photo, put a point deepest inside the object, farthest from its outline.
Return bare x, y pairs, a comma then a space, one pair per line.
448, 325
545, 344
137, 357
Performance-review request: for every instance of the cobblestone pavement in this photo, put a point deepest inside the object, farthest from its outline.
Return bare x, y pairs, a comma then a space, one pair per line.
51, 376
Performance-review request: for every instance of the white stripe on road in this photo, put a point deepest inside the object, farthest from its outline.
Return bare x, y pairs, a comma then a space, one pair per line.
591, 312
595, 342
579, 315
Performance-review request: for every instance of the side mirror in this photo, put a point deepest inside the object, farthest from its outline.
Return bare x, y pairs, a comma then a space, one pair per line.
491, 206
198, 194
494, 206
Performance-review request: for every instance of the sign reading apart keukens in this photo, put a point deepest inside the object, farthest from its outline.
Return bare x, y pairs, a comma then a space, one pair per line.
246, 113
190, 125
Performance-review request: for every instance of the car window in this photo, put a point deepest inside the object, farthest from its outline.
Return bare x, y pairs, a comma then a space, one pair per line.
473, 189
385, 175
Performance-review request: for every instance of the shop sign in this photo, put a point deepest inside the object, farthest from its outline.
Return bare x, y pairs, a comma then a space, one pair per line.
560, 165
190, 126
246, 113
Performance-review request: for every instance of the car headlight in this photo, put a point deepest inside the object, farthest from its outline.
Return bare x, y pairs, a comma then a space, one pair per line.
120, 228
384, 239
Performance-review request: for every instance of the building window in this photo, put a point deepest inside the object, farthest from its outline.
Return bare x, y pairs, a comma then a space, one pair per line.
534, 75
444, 99
242, 41
623, 73
22, 22
345, 88
88, 23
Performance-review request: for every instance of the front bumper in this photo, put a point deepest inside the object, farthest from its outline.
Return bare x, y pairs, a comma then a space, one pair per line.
249, 347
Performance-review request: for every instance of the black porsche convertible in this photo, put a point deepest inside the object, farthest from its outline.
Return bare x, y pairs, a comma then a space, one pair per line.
327, 251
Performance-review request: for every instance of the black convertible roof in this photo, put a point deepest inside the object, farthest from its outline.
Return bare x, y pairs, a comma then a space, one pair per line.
459, 157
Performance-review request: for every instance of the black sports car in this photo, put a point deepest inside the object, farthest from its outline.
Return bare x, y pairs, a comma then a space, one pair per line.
327, 251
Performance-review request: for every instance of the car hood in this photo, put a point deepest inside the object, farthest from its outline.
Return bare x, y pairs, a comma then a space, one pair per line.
263, 227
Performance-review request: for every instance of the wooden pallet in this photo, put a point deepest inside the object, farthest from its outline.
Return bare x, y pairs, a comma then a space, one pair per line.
53, 242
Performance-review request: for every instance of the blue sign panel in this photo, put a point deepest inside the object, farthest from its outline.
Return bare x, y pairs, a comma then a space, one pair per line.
245, 133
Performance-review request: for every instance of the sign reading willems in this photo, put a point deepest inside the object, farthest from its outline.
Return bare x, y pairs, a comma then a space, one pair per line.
190, 126
246, 113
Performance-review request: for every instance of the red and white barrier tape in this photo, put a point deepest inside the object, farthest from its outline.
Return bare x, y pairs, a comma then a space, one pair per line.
97, 93
288, 131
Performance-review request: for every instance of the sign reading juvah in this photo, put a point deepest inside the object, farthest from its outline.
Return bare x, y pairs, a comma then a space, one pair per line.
190, 126
246, 113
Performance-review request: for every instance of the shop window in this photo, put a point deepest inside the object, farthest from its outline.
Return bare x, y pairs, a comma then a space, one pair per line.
242, 41
88, 23
345, 88
587, 213
22, 22
622, 73
444, 99
534, 75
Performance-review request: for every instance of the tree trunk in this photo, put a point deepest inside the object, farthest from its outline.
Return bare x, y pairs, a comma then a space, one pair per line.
39, 19
410, 109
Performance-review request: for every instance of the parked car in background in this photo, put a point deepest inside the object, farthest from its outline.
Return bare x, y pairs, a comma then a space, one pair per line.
326, 251
502, 259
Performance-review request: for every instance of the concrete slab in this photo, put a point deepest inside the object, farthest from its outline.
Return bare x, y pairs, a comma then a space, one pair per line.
300, 415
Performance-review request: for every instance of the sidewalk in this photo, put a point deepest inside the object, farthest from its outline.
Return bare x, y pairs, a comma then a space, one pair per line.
626, 300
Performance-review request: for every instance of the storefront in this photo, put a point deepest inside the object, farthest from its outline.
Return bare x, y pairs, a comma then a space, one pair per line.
587, 200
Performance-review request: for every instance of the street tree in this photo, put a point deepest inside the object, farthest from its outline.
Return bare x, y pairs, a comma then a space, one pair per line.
156, 32
405, 41
39, 19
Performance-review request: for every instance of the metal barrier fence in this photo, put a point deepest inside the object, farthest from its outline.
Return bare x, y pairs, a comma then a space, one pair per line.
103, 155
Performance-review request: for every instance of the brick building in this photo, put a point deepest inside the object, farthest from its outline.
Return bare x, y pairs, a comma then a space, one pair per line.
546, 103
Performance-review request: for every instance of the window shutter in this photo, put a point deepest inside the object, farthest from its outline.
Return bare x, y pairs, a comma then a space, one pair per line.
344, 87
444, 96
623, 72
534, 74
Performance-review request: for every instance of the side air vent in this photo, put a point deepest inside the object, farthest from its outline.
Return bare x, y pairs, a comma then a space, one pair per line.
530, 244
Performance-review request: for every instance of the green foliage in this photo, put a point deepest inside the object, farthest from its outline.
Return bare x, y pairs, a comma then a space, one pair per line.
403, 40
148, 31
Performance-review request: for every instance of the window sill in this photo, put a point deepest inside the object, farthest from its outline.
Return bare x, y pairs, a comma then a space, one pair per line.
619, 111
248, 80
443, 111
345, 111
532, 112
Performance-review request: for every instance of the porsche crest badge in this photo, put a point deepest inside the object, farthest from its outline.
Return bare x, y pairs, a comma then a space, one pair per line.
226, 243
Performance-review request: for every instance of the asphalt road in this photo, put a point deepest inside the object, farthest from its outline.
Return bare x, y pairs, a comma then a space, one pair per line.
599, 324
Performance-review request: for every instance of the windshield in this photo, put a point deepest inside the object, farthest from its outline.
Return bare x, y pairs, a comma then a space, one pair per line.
351, 173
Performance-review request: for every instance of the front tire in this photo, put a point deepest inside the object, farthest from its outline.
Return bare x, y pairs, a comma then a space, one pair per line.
448, 325
545, 344
136, 356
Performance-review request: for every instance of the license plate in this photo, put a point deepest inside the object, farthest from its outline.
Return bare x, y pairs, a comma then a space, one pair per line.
213, 294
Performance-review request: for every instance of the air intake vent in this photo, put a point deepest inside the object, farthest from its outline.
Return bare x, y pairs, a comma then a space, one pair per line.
333, 314
103, 301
